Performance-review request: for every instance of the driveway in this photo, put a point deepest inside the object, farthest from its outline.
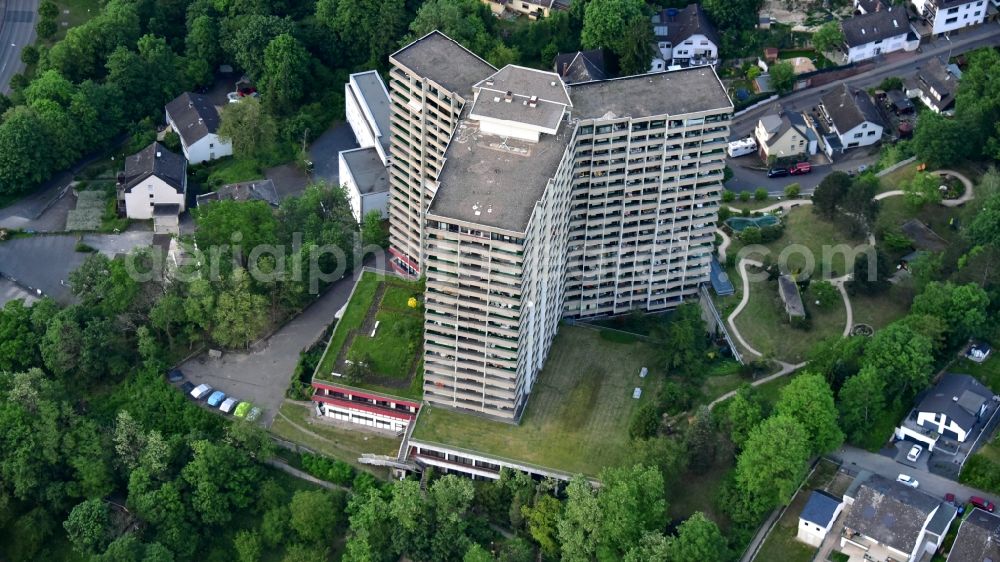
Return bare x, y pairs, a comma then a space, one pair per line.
324, 152
935, 485
10, 291
17, 29
43, 263
262, 375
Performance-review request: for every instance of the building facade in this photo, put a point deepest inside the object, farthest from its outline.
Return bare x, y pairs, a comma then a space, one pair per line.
875, 33
154, 178
196, 121
945, 16
535, 201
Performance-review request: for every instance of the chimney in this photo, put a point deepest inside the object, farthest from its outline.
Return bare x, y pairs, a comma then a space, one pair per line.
565, 69
533, 102
190, 104
200, 121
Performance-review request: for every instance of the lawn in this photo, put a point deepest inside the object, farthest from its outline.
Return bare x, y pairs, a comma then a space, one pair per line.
880, 310
329, 439
895, 179
988, 372
809, 244
818, 59
578, 415
397, 342
781, 543
764, 324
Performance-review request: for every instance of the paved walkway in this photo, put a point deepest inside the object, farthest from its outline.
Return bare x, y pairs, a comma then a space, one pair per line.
840, 283
285, 467
742, 267
786, 368
726, 242
966, 197
783, 205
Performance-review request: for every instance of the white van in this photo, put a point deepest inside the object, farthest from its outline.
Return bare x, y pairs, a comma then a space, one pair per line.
741, 147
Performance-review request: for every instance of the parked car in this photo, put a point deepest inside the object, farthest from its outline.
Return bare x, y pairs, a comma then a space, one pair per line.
907, 481
800, 168
201, 391
981, 503
187, 387
777, 172
255, 413
243, 409
914, 453
228, 405
175, 375
216, 398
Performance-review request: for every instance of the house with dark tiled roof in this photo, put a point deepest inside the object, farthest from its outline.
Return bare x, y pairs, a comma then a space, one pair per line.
880, 31
817, 517
852, 117
684, 37
196, 121
581, 66
935, 84
952, 409
534, 9
154, 183
978, 538
945, 16
887, 520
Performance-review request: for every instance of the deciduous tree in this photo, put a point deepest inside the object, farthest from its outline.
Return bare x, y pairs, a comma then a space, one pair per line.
772, 463
861, 399
809, 400
828, 37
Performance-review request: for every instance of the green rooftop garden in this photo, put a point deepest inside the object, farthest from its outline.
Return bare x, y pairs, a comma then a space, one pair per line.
577, 416
389, 362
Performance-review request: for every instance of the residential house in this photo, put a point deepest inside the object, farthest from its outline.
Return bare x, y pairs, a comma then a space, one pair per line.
785, 134
153, 177
887, 520
534, 9
362, 171
817, 517
978, 538
935, 84
255, 190
945, 16
952, 410
684, 37
581, 66
852, 117
878, 32
196, 120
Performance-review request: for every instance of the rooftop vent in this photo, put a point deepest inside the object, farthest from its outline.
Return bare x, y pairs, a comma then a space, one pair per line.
954, 398
509, 97
533, 102
552, 83
158, 154
496, 99
489, 81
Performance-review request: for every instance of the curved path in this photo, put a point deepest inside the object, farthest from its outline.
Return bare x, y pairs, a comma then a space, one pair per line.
786, 368
966, 197
783, 205
726, 242
742, 266
840, 284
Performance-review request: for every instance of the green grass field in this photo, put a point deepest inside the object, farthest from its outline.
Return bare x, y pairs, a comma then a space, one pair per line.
578, 414
397, 340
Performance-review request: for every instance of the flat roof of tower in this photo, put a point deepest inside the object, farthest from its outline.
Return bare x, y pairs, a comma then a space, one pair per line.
495, 181
674, 92
439, 58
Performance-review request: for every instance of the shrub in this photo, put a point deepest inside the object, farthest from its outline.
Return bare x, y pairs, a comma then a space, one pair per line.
760, 194
81, 247
744, 196
724, 213
751, 235
46, 28
29, 55
645, 422
675, 397
771, 233
792, 190
330, 470
728, 196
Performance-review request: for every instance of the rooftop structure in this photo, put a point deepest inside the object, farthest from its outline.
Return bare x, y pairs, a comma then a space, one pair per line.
791, 296
255, 190
678, 25
581, 66
978, 538
194, 116
154, 160
935, 84
821, 508
688, 90
849, 107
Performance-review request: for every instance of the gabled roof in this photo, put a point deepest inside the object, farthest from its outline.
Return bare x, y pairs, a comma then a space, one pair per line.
677, 26
890, 513
874, 26
849, 107
779, 123
256, 190
868, 6
957, 396
581, 66
155, 160
437, 57
935, 75
194, 116
820, 508
978, 538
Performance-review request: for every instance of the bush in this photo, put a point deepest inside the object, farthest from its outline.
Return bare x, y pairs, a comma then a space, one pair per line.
760, 194
980, 472
728, 196
645, 422
172, 141
29, 55
84, 248
751, 235
724, 213
46, 28
675, 397
330, 470
792, 190
48, 10
771, 233
744, 196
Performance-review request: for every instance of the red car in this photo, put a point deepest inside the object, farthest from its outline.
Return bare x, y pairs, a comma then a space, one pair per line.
800, 168
979, 502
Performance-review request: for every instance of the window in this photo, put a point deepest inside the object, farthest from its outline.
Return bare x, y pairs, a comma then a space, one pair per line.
211, 145
951, 20
857, 135
871, 133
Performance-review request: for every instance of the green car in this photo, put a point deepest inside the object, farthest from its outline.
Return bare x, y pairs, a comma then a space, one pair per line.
243, 409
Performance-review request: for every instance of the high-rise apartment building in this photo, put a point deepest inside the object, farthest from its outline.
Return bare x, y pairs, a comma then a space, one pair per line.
525, 201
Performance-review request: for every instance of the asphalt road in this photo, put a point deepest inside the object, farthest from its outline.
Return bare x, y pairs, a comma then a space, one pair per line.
935, 485
17, 29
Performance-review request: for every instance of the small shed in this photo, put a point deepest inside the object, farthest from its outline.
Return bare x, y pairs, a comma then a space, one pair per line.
770, 54
899, 103
817, 517
791, 296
